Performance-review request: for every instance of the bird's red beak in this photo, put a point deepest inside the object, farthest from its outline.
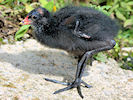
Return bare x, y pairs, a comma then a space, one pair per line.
26, 21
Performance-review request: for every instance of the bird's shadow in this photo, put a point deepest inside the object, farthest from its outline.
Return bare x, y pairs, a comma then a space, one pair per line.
43, 62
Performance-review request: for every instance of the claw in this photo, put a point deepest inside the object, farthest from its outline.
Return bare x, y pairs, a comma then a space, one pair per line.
86, 85
79, 92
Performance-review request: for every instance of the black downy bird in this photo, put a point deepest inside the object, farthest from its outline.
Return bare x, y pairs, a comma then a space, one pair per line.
81, 31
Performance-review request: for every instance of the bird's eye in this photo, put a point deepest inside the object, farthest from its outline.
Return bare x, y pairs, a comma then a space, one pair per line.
34, 17
29, 17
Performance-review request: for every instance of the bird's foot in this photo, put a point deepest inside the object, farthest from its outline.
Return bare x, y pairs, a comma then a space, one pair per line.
75, 84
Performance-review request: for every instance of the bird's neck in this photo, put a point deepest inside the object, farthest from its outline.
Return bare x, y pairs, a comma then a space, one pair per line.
46, 34
47, 28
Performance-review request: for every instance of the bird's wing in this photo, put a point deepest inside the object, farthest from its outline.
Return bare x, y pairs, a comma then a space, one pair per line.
73, 24
68, 21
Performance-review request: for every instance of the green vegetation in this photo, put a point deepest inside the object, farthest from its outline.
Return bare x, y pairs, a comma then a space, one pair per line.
122, 10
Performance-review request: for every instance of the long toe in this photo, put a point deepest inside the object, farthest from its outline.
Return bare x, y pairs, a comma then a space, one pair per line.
64, 89
58, 82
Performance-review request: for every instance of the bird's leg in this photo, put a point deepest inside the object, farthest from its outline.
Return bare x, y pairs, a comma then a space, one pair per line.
80, 69
81, 66
79, 33
76, 32
76, 27
76, 84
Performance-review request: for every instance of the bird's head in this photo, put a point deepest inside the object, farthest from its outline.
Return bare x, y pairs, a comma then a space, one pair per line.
37, 16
